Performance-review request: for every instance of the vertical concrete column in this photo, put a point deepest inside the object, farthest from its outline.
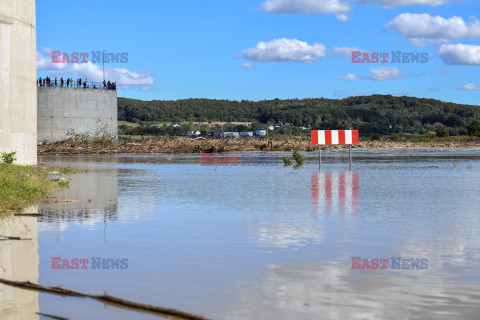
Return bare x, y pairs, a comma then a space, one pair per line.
18, 73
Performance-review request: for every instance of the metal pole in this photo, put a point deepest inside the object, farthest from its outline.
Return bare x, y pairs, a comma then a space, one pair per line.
103, 61
319, 157
350, 155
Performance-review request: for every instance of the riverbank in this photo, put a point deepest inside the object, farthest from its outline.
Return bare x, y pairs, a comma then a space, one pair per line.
23, 186
185, 145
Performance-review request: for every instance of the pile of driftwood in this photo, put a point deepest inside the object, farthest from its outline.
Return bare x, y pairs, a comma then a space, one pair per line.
202, 145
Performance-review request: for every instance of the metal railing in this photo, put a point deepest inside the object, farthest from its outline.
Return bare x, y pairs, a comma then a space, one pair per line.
76, 84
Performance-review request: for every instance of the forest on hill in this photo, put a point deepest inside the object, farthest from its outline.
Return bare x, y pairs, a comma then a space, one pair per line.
376, 114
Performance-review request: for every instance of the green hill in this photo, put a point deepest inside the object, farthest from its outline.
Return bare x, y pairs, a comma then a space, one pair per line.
382, 114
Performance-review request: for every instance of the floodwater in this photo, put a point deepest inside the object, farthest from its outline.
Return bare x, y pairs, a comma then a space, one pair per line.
258, 240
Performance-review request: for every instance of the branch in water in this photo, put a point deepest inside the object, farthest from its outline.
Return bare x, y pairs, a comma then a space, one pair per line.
106, 299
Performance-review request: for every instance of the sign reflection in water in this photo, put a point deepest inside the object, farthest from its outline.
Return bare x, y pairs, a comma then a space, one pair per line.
334, 192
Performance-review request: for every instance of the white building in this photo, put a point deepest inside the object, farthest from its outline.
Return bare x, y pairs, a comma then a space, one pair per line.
193, 133
261, 132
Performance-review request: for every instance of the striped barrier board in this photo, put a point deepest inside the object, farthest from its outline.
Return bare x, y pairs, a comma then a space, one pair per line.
323, 137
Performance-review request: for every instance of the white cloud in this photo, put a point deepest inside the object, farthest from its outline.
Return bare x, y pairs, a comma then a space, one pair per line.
349, 77
469, 86
399, 3
377, 74
423, 42
460, 54
285, 50
247, 65
93, 72
434, 90
337, 7
398, 92
385, 73
425, 29
344, 51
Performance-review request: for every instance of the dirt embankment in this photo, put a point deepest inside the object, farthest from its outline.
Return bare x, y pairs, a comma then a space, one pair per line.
169, 145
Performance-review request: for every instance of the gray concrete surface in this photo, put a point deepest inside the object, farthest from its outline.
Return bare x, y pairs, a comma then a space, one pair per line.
78, 110
19, 261
18, 72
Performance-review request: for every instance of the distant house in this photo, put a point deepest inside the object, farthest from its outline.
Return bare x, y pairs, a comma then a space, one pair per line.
271, 127
261, 132
246, 134
227, 134
193, 134
176, 124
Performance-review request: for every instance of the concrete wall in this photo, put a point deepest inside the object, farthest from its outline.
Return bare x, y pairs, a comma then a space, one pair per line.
91, 111
18, 72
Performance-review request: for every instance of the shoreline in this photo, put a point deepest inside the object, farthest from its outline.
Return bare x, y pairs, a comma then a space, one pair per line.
168, 145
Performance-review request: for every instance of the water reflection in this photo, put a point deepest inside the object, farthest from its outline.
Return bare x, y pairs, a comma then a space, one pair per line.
95, 199
19, 261
309, 290
334, 192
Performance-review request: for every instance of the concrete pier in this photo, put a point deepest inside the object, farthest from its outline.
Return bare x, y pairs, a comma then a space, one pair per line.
79, 110
18, 72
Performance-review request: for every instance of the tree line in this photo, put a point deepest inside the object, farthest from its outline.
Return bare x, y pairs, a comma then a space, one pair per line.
376, 114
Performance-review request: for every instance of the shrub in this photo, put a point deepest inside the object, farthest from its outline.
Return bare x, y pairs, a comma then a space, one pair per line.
376, 137
394, 137
299, 159
431, 135
9, 158
473, 128
443, 132
287, 161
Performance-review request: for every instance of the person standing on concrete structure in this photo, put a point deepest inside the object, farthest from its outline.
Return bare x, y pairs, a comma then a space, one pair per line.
18, 79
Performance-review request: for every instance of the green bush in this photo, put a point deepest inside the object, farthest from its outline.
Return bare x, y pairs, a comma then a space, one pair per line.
376, 137
287, 161
431, 135
443, 132
394, 137
299, 159
9, 158
473, 128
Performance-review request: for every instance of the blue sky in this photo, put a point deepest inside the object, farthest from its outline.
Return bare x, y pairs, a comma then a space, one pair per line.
265, 49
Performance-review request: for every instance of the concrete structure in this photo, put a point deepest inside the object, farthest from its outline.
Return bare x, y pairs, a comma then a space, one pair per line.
78, 110
18, 72
19, 261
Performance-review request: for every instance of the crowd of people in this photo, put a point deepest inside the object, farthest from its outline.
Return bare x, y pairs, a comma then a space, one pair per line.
78, 83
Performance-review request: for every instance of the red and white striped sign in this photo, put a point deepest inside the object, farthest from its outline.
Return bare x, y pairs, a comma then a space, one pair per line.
335, 192
334, 137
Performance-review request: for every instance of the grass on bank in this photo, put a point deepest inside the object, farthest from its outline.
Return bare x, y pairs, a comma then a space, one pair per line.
23, 186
